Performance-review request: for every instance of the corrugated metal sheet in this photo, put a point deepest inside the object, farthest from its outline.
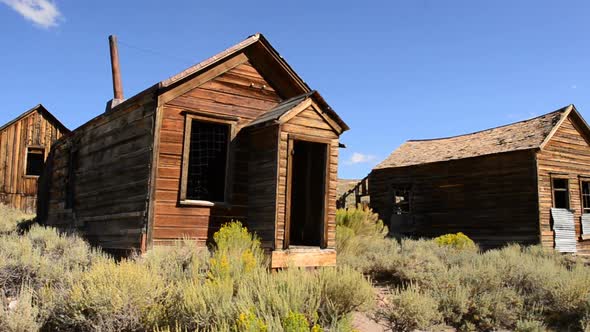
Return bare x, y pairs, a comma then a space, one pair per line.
565, 230
586, 224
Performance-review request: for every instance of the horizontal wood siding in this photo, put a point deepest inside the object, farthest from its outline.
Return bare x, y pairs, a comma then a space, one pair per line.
16, 189
240, 92
111, 184
566, 155
492, 199
309, 123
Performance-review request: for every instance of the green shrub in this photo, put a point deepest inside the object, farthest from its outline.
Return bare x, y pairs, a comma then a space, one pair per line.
530, 326
248, 322
203, 305
362, 221
42, 257
343, 291
11, 218
183, 260
458, 241
21, 314
361, 242
236, 252
515, 288
409, 309
112, 296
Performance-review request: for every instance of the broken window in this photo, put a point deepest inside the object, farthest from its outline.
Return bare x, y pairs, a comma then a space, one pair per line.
208, 145
401, 200
586, 196
35, 161
561, 194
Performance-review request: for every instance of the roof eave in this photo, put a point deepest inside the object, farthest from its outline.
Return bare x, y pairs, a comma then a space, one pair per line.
318, 97
563, 117
455, 159
38, 107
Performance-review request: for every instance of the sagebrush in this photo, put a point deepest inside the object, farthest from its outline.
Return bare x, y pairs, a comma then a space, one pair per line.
53, 281
449, 281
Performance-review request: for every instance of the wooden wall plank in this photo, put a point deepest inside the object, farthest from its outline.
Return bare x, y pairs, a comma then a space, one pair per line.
567, 154
16, 189
112, 167
238, 93
492, 199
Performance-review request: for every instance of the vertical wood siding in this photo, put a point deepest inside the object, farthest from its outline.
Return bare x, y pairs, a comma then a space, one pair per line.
16, 189
308, 122
567, 155
262, 187
492, 199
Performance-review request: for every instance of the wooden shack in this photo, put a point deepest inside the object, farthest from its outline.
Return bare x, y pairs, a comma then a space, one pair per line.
24, 144
239, 136
527, 182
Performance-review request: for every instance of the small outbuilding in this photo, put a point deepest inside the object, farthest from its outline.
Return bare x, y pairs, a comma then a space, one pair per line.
526, 182
239, 136
24, 144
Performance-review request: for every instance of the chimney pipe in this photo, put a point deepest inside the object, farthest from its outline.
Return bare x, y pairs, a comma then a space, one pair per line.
116, 70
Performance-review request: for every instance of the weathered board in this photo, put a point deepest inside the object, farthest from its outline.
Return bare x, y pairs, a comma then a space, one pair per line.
35, 128
307, 125
566, 155
238, 93
122, 178
106, 166
492, 199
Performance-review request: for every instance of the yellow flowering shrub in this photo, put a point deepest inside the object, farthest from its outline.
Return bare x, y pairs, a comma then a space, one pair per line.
236, 252
458, 241
248, 322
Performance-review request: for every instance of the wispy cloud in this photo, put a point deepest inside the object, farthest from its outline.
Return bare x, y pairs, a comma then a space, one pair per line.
361, 158
43, 13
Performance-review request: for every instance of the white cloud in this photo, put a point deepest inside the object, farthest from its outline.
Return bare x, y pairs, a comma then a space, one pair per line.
573, 86
43, 13
360, 158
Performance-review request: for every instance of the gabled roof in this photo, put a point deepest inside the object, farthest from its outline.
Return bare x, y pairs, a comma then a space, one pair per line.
257, 41
523, 135
37, 108
282, 109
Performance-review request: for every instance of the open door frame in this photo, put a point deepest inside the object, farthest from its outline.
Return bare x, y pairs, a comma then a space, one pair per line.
327, 144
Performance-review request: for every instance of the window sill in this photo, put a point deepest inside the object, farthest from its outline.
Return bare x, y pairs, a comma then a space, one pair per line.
585, 237
192, 202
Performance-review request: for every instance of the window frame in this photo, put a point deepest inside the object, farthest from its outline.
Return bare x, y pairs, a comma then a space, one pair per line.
26, 163
210, 118
582, 180
397, 188
567, 190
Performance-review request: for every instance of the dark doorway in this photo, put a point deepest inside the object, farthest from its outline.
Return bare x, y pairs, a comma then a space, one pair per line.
307, 193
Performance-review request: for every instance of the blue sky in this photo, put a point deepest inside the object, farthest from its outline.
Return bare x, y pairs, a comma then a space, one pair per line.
393, 70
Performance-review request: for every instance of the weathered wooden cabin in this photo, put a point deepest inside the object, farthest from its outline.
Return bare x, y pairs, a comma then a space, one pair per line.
527, 182
24, 144
239, 136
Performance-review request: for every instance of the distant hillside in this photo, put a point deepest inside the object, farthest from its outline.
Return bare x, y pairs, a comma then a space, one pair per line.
345, 185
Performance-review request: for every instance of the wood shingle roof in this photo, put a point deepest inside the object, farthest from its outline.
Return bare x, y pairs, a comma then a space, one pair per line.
523, 135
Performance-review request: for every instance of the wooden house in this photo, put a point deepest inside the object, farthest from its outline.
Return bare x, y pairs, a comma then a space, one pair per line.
24, 144
527, 182
239, 136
